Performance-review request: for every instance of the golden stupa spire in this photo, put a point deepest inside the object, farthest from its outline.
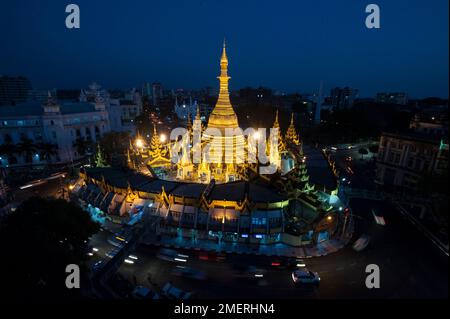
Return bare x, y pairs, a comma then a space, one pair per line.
276, 124
281, 145
223, 115
291, 134
197, 116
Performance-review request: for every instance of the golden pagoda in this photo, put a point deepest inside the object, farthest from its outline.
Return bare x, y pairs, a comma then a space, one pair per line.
291, 136
157, 153
281, 144
223, 119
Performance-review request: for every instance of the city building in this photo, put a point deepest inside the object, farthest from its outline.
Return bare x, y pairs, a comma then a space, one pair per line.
13, 89
42, 95
122, 107
185, 110
404, 158
343, 97
50, 132
157, 93
399, 98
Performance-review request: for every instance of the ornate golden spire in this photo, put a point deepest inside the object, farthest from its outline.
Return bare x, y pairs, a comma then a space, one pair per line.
197, 116
291, 134
281, 145
223, 115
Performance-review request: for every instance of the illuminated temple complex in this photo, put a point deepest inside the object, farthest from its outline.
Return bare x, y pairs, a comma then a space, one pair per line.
224, 198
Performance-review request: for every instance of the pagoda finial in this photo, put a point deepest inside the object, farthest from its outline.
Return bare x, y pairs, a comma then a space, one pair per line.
224, 58
276, 124
197, 115
291, 134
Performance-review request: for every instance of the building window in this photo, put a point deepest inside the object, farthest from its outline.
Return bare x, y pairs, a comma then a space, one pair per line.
258, 221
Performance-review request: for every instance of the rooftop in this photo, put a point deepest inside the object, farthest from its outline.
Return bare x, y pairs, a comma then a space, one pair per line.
233, 191
35, 108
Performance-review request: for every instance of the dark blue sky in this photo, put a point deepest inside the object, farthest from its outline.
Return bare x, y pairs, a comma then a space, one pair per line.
285, 45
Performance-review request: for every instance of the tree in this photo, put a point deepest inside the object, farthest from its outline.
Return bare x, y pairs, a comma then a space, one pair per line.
8, 149
27, 147
47, 150
363, 152
114, 144
99, 159
37, 242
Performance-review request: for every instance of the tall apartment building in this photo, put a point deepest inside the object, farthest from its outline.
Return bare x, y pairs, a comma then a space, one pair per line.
400, 98
343, 97
13, 89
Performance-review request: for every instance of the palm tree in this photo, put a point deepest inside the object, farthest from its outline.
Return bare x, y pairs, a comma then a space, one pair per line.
48, 150
8, 148
27, 147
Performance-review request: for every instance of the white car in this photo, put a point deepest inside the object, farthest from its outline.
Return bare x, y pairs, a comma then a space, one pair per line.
379, 218
171, 255
304, 276
361, 243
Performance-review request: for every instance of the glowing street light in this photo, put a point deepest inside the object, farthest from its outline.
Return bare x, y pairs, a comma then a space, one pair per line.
329, 218
162, 138
139, 143
256, 136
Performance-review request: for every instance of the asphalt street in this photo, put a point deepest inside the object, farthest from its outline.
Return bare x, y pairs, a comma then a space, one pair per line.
410, 266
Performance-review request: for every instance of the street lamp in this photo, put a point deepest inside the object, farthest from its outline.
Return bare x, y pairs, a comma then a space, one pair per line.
162, 138
329, 218
139, 143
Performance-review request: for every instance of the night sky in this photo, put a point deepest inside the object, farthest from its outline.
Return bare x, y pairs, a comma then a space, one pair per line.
284, 45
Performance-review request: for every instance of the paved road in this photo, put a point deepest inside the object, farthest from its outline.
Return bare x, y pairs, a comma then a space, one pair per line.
410, 267
50, 188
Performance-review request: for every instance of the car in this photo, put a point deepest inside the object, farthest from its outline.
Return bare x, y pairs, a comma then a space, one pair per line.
112, 252
171, 255
142, 292
361, 243
289, 263
248, 272
189, 272
211, 256
117, 241
97, 266
173, 292
304, 276
378, 216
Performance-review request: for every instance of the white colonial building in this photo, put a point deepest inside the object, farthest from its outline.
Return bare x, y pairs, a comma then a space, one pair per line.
184, 110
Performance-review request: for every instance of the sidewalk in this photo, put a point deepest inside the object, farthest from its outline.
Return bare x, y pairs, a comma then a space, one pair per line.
278, 249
